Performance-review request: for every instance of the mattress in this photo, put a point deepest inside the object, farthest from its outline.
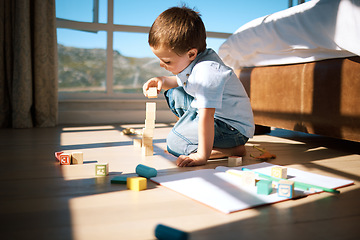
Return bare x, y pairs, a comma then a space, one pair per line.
313, 31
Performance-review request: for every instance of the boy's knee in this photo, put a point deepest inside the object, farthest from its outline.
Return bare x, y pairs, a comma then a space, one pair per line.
178, 145
173, 145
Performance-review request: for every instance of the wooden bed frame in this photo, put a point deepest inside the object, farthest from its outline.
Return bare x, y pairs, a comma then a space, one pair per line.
317, 97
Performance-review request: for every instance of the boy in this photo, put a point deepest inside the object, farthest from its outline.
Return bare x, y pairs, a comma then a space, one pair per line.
215, 116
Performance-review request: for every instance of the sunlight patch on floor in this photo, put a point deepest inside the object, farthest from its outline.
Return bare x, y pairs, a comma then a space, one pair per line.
271, 139
82, 128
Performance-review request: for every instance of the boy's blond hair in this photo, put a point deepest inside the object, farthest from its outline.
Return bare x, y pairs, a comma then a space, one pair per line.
180, 29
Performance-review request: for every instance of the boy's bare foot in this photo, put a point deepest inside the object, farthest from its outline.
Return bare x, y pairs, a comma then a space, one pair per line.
227, 152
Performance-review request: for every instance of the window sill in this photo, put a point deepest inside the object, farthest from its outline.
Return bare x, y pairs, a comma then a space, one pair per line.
109, 111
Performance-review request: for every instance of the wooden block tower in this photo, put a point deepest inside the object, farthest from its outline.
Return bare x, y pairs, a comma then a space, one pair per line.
148, 131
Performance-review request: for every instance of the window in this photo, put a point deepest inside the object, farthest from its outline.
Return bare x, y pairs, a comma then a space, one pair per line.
102, 44
82, 67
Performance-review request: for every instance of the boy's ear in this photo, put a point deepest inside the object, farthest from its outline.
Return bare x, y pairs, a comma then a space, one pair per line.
192, 53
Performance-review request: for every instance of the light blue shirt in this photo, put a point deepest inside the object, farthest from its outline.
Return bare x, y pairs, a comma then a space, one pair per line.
215, 85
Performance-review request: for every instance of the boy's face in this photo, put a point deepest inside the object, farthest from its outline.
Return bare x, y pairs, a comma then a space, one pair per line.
172, 61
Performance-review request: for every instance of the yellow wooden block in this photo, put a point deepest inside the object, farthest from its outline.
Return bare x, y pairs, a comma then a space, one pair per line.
279, 172
152, 92
136, 183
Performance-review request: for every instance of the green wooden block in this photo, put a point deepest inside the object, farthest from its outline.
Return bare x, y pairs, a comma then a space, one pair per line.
119, 180
264, 187
163, 232
102, 169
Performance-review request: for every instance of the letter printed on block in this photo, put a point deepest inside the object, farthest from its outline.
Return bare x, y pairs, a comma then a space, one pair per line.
65, 159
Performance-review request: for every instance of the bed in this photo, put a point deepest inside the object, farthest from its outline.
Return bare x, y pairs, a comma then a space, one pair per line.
301, 67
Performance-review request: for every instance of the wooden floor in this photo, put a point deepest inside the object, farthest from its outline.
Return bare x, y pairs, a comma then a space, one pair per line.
39, 199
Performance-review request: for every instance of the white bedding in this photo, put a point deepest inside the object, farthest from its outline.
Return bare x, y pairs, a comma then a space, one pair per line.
315, 30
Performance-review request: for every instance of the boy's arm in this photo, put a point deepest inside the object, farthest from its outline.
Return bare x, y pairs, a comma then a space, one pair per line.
160, 83
169, 82
206, 140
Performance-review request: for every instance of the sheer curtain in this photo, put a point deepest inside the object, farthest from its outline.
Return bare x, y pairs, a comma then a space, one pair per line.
28, 64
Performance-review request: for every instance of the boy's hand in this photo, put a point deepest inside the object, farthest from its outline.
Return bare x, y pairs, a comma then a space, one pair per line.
189, 161
153, 82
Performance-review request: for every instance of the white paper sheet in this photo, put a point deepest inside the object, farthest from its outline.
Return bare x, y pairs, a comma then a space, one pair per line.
225, 193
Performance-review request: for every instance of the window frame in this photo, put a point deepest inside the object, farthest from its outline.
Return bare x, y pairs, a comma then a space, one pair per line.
109, 28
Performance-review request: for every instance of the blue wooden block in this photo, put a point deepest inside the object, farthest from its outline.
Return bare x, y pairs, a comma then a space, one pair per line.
145, 171
264, 187
286, 188
163, 232
119, 180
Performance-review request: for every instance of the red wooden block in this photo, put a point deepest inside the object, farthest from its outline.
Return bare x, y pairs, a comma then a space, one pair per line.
57, 155
65, 159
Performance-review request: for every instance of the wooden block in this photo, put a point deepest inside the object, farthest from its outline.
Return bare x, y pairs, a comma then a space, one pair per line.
77, 158
150, 115
147, 142
286, 188
151, 106
264, 187
102, 169
65, 159
147, 150
57, 155
248, 178
279, 172
234, 161
136, 183
149, 123
148, 132
145, 171
119, 180
137, 142
165, 232
152, 92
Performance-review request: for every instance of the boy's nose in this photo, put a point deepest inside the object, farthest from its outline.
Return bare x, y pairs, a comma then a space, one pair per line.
162, 64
